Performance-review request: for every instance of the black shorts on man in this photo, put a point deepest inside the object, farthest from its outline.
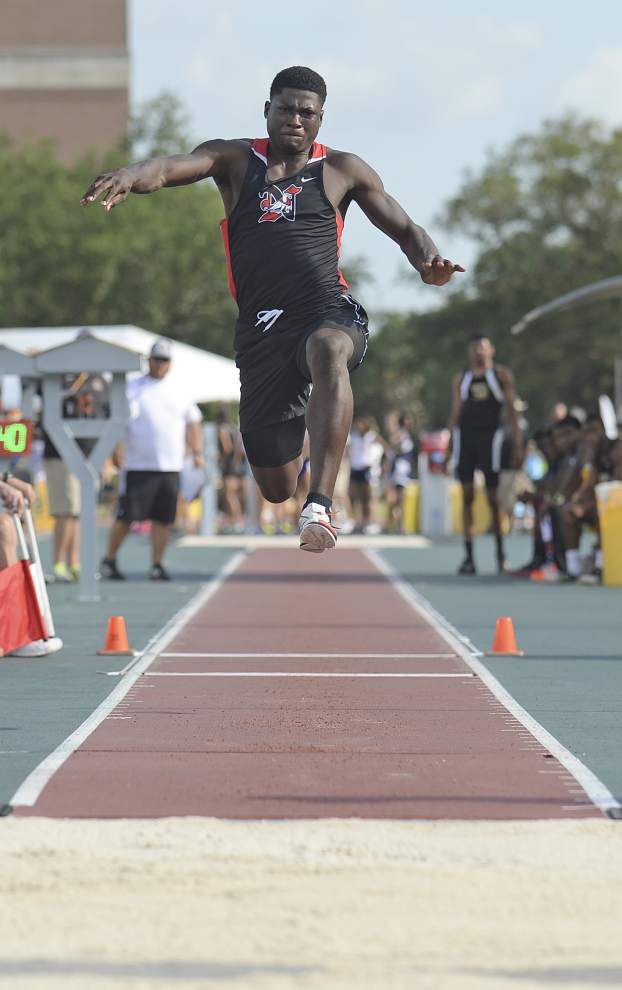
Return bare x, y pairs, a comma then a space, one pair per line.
149, 495
275, 380
479, 450
360, 476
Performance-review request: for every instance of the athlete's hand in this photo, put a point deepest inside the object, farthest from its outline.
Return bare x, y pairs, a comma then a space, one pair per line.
115, 187
438, 271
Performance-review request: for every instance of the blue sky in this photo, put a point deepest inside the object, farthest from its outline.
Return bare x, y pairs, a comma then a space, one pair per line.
420, 91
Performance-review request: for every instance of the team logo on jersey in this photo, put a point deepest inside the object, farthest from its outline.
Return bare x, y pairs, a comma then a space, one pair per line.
480, 391
268, 317
273, 209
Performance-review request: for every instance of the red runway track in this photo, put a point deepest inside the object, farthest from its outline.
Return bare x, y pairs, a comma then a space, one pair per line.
213, 735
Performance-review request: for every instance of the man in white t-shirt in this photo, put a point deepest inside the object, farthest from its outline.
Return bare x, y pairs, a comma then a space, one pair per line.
162, 423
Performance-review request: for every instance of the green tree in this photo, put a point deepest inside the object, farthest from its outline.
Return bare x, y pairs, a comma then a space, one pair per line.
546, 216
159, 126
156, 261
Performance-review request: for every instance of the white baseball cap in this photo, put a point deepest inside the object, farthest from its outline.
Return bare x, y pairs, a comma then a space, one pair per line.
161, 349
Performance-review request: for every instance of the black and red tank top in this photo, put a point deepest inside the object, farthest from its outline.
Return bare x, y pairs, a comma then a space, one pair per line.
282, 243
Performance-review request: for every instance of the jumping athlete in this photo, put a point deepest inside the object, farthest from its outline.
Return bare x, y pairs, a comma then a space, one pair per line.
481, 395
285, 199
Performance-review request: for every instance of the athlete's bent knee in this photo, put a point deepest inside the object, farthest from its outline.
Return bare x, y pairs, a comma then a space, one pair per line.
276, 493
328, 349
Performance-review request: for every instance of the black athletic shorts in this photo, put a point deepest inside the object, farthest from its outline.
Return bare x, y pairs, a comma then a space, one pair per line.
478, 449
149, 495
360, 475
275, 380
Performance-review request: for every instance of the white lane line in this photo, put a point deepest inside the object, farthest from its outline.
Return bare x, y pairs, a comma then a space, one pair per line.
598, 793
28, 792
283, 673
314, 656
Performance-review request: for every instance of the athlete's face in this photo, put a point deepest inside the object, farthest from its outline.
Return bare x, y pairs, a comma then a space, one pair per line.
481, 351
293, 117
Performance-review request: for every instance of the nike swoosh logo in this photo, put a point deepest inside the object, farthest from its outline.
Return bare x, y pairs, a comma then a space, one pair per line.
312, 179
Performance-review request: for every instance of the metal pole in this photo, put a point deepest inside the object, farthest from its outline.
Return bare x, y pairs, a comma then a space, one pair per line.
63, 433
87, 588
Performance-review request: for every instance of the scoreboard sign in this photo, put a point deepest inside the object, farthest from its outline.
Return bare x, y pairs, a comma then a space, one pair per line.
15, 437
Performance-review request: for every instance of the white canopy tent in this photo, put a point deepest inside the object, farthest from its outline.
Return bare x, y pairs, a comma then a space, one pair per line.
204, 377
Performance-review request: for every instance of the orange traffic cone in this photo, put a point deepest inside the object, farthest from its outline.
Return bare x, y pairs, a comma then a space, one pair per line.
116, 644
504, 644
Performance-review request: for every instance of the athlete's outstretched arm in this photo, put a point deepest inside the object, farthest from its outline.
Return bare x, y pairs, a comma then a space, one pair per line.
387, 214
206, 160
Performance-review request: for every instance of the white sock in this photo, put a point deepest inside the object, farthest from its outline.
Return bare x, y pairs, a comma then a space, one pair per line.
598, 559
573, 563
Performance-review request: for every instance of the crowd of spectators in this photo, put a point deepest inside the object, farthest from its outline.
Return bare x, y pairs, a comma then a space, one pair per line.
552, 494
565, 461
369, 495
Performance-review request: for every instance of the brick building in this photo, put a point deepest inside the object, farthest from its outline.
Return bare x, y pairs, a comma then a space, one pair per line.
64, 72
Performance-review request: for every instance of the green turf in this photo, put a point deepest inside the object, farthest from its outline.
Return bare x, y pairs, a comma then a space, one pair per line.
570, 678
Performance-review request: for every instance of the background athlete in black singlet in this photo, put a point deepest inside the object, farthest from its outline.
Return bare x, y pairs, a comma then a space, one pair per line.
482, 404
285, 200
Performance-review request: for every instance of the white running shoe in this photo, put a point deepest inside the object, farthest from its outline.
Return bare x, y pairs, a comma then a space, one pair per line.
38, 648
316, 531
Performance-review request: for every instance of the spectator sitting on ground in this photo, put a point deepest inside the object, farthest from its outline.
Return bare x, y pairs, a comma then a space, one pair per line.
562, 483
600, 459
13, 496
162, 422
543, 479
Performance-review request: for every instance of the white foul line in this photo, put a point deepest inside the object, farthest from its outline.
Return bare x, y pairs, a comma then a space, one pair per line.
598, 793
283, 673
314, 656
29, 791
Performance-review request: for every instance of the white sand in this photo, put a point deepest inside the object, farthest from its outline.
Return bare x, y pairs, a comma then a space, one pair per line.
326, 905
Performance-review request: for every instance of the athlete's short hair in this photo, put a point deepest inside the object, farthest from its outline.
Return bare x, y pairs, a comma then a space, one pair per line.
473, 339
571, 422
299, 77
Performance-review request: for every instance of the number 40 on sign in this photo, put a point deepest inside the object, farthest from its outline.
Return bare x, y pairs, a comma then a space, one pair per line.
15, 438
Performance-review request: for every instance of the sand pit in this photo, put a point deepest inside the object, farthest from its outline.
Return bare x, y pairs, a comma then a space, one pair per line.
324, 905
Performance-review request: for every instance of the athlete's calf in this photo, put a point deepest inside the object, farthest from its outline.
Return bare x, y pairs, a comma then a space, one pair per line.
329, 412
